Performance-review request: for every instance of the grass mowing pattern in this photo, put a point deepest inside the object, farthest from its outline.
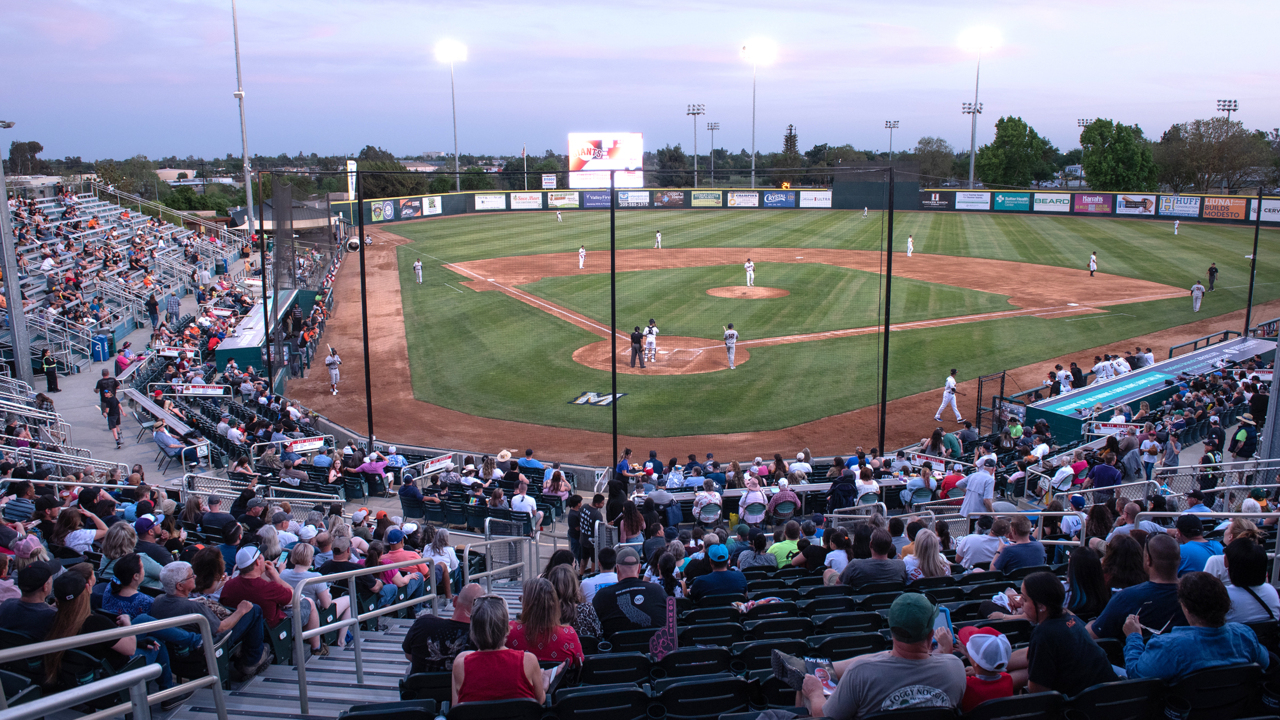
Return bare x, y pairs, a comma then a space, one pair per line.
493, 356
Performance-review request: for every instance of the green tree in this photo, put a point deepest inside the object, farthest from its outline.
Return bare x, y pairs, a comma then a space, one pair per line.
371, 153
136, 175
388, 178
1222, 152
1116, 157
514, 168
936, 158
1016, 156
789, 162
473, 178
23, 160
1173, 162
673, 167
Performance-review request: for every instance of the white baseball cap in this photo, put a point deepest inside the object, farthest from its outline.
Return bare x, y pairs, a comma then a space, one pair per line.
392, 449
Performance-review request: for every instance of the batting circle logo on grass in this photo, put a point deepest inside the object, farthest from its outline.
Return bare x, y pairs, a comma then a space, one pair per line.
592, 398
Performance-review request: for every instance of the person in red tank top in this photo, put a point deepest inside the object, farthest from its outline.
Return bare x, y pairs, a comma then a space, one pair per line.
494, 672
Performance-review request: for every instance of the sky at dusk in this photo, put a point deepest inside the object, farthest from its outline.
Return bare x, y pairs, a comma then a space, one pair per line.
116, 79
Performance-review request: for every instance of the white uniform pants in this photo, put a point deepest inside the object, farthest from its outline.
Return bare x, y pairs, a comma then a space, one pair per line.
651, 350
729, 349
418, 272
751, 278
1195, 302
949, 400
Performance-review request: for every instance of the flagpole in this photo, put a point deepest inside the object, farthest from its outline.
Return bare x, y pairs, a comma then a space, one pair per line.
525, 156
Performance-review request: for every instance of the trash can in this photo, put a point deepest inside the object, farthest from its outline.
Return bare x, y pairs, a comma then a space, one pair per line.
220, 267
101, 348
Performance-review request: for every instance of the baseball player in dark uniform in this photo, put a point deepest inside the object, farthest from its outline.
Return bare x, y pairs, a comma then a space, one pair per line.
636, 352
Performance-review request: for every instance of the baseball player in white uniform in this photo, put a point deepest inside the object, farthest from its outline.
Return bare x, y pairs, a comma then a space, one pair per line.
1197, 294
1093, 264
651, 341
864, 211
657, 240
582, 257
332, 362
559, 217
1119, 366
417, 270
949, 393
730, 342
750, 267
1175, 226
1101, 369
911, 245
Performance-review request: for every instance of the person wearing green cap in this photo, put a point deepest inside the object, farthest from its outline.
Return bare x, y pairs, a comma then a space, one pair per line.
910, 675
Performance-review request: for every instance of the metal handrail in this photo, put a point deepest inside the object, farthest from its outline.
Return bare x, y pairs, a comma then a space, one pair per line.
1275, 556
1065, 497
1039, 517
489, 572
36, 456
300, 636
75, 641
135, 680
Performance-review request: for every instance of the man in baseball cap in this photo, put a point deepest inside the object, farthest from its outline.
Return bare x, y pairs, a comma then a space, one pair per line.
252, 517
30, 614
872, 683
631, 603
721, 580
1195, 550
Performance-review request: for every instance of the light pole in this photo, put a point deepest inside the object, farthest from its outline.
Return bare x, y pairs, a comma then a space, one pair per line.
757, 52
244, 141
452, 51
1083, 123
976, 40
891, 125
13, 287
1227, 106
974, 109
694, 111
711, 156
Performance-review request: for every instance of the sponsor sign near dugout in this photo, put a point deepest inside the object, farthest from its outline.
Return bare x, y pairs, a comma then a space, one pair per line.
707, 198
1179, 206
1135, 204
973, 200
815, 198
1012, 201
1052, 202
779, 198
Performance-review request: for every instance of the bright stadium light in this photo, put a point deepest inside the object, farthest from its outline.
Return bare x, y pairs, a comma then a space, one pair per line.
1084, 122
977, 40
891, 125
452, 51
757, 51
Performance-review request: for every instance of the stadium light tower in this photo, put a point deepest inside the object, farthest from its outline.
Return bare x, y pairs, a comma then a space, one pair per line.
1084, 122
711, 156
695, 111
891, 125
452, 51
1228, 106
976, 40
757, 51
13, 286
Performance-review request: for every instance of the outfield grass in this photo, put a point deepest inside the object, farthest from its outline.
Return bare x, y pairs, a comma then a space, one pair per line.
822, 298
490, 355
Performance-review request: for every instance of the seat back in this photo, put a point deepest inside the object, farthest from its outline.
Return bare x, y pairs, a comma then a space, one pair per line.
921, 495
847, 645
616, 667
403, 710
411, 507
779, 628
694, 699
710, 615
722, 633
828, 605
868, 498
757, 655
521, 709
784, 510
1139, 699
782, 609
1220, 692
604, 704
436, 686
692, 661
709, 513
849, 622
1038, 706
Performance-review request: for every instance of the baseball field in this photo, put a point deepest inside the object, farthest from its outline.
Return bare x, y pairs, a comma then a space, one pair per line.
506, 327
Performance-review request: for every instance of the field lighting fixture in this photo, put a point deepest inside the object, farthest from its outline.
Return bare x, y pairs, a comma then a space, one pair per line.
891, 125
695, 111
1228, 107
757, 51
976, 40
1084, 122
451, 52
713, 127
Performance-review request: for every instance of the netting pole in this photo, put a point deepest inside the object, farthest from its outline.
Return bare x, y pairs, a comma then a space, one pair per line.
262, 258
364, 305
613, 308
1253, 264
888, 289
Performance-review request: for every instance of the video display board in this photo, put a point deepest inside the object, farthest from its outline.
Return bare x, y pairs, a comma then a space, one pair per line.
593, 155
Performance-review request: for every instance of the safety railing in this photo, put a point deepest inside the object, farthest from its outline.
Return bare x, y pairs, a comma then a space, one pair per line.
1228, 516
1182, 479
30, 416
14, 386
1266, 329
515, 527
1233, 495
1141, 490
306, 446
210, 680
524, 569
67, 464
135, 681
299, 508
1037, 518
352, 621
230, 238
1207, 340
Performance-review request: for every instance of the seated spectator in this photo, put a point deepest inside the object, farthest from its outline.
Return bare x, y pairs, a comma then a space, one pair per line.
69, 532
707, 496
1087, 589
1253, 599
878, 568
391, 579
215, 519
342, 562
883, 681
925, 480
812, 556
444, 561
866, 484
1195, 550
574, 609
988, 651
645, 603
1061, 657
258, 581
926, 560
244, 622
252, 519
29, 614
299, 571
121, 540
606, 577
172, 446
492, 671
1023, 552
539, 629
783, 494
756, 555
721, 580
1156, 600
149, 531
983, 544
432, 641
290, 475
1128, 522
1207, 640
787, 549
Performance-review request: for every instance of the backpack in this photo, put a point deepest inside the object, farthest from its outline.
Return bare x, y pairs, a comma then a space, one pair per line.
843, 495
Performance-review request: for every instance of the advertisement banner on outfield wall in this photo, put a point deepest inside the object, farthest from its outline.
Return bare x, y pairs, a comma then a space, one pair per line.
633, 198
383, 210
526, 201
1221, 208
432, 205
973, 200
668, 198
596, 199
1052, 202
491, 202
707, 198
935, 200
562, 199
1270, 210
1091, 203
410, 208
744, 199
815, 198
1135, 204
1012, 201
780, 198
1179, 206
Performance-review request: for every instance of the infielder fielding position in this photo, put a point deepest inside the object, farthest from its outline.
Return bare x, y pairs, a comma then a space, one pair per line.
417, 270
730, 341
651, 341
332, 362
657, 240
582, 257
750, 267
911, 245
949, 392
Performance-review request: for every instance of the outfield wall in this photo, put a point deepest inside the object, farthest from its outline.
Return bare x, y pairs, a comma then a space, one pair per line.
1211, 208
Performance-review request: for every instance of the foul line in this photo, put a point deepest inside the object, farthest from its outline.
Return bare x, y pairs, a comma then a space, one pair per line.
535, 301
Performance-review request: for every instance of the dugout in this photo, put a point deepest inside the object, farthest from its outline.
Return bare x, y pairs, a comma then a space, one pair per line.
247, 343
1066, 414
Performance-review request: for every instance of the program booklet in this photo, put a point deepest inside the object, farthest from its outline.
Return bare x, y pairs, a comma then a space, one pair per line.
791, 670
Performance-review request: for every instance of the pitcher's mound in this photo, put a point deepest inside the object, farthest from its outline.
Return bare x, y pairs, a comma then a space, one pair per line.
676, 356
748, 293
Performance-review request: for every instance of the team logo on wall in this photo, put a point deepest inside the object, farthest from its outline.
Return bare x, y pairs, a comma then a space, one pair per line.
591, 398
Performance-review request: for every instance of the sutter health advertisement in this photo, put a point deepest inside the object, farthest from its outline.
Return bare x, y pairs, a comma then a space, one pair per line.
1013, 201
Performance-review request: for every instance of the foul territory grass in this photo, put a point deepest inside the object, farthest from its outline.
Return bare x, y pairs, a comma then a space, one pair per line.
490, 355
822, 298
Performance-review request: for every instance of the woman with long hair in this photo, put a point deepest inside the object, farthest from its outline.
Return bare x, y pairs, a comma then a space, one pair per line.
841, 548
75, 617
443, 558
574, 608
556, 486
489, 471
121, 540
630, 523
496, 500
558, 558
943, 532
672, 585
67, 531
492, 671
540, 629
927, 560
934, 445
861, 545
1098, 523
193, 510
837, 467
1087, 591
244, 466
777, 468
1237, 529
1122, 565
734, 476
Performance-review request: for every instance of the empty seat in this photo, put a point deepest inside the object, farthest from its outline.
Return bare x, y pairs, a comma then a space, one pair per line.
723, 634
522, 709
757, 654
403, 710
827, 605
692, 661
848, 622
431, 685
620, 667
1220, 692
631, 641
1138, 699
846, 645
785, 608
603, 704
691, 699
913, 714
711, 615
1037, 706
779, 628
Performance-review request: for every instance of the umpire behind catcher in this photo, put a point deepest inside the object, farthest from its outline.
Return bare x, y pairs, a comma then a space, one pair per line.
636, 338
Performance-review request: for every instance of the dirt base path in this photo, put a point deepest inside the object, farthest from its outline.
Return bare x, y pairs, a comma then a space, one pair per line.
399, 417
676, 356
